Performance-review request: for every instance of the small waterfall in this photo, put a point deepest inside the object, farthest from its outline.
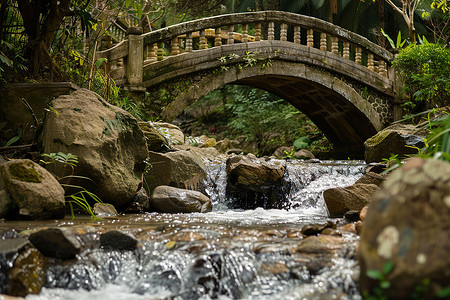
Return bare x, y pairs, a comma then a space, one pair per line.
224, 254
301, 187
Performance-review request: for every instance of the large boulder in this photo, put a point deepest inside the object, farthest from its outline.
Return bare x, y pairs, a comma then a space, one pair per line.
396, 139
253, 182
111, 148
30, 190
354, 197
407, 225
181, 169
168, 199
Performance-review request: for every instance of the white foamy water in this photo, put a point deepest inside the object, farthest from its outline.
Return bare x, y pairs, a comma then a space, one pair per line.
228, 253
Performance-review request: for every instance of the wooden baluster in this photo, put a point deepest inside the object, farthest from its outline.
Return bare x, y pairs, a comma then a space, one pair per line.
174, 47
230, 35
370, 62
382, 68
335, 45
346, 52
160, 53
375, 64
323, 41
310, 38
358, 55
203, 40
245, 33
188, 42
297, 37
257, 32
283, 32
271, 31
218, 38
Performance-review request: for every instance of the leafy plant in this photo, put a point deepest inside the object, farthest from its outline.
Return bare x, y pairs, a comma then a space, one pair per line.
426, 73
379, 292
399, 43
15, 138
82, 196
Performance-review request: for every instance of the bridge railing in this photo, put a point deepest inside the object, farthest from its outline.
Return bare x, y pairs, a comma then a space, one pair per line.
128, 58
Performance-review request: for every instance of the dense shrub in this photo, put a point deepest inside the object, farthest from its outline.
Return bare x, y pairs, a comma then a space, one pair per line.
425, 70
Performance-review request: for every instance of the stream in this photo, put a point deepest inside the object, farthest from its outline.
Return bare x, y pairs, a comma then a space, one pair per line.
224, 254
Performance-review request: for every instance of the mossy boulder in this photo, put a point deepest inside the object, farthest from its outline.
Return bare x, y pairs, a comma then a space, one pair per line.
396, 139
30, 191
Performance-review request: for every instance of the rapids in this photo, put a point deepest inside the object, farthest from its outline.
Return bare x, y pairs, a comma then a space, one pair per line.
224, 254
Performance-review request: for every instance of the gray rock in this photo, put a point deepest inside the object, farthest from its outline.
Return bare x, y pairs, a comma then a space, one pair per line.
36, 193
354, 197
407, 223
104, 210
252, 182
171, 132
304, 154
224, 145
156, 141
174, 200
282, 151
10, 247
118, 240
371, 178
181, 169
253, 173
110, 146
141, 197
394, 139
56, 242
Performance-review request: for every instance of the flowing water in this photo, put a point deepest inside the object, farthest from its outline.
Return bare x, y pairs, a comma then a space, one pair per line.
224, 254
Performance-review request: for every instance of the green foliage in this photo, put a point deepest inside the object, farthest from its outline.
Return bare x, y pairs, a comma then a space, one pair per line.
267, 120
15, 139
81, 197
437, 144
301, 143
399, 42
379, 292
426, 72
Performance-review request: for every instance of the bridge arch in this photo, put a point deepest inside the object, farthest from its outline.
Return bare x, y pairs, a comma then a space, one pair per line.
340, 80
343, 115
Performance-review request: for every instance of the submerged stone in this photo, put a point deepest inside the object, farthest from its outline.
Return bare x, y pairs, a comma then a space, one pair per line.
56, 242
118, 240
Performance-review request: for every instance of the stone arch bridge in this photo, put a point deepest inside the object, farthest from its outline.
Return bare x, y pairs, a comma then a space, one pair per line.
343, 82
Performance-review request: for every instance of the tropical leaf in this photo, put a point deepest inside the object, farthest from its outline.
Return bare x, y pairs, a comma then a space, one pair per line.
14, 139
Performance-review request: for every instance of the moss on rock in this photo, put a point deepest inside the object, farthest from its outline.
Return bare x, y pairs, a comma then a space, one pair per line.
25, 171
